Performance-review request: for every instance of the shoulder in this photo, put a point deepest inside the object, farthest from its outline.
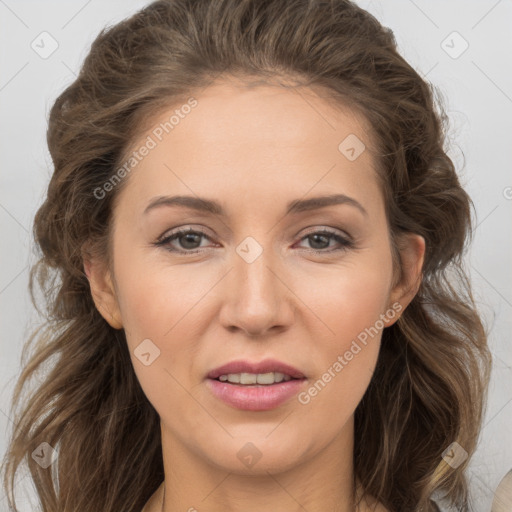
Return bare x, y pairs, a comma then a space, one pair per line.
155, 500
370, 504
374, 506
379, 507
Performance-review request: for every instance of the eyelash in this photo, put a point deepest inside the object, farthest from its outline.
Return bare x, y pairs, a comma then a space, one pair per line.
345, 243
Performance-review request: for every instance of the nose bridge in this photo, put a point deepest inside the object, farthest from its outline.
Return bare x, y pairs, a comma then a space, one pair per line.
257, 299
255, 282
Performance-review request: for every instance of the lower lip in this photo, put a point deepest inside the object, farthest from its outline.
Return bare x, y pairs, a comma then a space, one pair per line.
255, 398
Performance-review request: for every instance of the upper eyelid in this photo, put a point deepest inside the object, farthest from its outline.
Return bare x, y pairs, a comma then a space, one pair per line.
181, 229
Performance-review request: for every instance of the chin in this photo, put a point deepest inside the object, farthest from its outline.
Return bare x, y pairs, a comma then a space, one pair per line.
259, 454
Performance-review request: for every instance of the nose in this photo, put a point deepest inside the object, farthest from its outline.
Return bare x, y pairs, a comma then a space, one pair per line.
257, 299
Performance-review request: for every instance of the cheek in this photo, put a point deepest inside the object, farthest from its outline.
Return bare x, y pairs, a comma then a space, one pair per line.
159, 318
158, 313
350, 302
350, 298
156, 300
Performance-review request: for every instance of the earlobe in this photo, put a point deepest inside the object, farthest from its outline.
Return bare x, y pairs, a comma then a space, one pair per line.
412, 254
102, 291
87, 268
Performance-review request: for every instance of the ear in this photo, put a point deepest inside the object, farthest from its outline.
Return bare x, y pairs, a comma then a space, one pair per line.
102, 289
411, 247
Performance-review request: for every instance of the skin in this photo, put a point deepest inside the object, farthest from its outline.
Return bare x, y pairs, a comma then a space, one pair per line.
254, 148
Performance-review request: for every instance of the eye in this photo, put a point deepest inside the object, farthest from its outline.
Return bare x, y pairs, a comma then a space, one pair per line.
320, 241
188, 238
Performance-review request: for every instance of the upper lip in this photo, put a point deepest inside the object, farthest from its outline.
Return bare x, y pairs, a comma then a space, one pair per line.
266, 366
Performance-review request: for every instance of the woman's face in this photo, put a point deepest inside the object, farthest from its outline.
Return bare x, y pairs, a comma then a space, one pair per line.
258, 280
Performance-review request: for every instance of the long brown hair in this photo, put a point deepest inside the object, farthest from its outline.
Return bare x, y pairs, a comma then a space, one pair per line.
429, 387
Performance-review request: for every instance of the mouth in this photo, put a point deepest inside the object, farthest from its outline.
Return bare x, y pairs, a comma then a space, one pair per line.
255, 397
255, 386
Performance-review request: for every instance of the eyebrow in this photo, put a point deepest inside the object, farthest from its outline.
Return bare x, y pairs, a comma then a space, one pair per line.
293, 207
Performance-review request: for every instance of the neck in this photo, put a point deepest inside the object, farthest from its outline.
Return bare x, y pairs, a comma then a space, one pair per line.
322, 481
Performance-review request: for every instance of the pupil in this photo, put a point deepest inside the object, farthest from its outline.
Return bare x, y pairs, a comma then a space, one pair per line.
313, 237
187, 240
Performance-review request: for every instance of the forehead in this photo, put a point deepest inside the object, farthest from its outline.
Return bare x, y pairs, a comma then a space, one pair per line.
259, 111
258, 137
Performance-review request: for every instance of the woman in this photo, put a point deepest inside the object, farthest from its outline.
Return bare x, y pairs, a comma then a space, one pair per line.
252, 257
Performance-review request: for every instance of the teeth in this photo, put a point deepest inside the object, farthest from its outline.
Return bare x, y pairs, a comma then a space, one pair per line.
253, 378
247, 378
268, 378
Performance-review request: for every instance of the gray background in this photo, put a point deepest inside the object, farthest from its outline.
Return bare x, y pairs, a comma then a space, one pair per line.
476, 86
